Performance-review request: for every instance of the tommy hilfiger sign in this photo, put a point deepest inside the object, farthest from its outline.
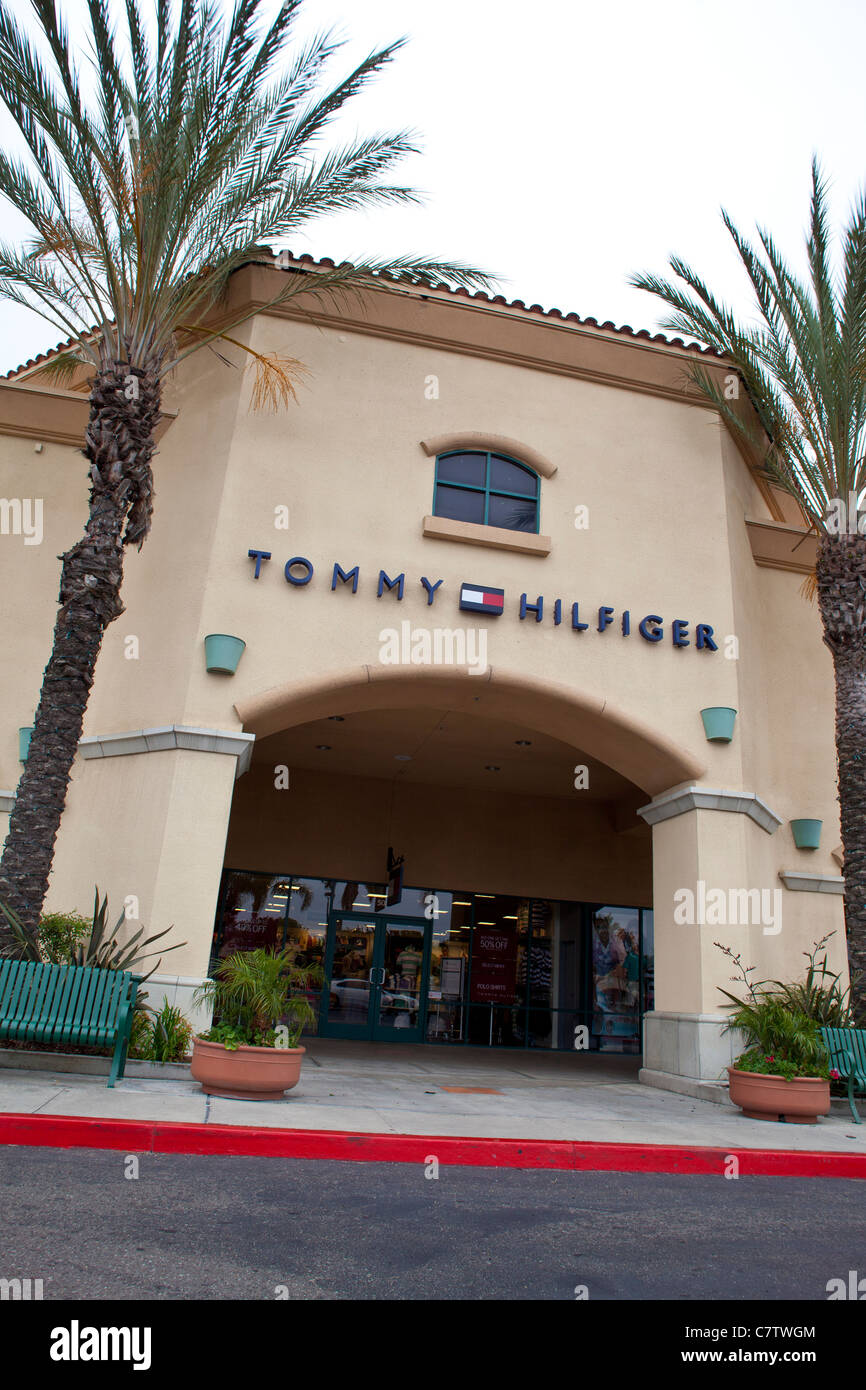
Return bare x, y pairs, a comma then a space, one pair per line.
490, 602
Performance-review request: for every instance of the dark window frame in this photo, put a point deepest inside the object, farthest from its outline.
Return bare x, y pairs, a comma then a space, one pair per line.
487, 491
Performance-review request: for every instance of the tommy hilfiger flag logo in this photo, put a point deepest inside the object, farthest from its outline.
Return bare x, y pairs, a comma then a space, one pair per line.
479, 598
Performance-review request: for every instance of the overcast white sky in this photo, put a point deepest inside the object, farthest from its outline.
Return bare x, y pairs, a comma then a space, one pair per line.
568, 144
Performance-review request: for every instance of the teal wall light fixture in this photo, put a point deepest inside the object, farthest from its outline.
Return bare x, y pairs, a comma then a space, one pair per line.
719, 723
807, 833
222, 653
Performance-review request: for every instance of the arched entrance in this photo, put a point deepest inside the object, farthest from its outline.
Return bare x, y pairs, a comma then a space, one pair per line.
524, 915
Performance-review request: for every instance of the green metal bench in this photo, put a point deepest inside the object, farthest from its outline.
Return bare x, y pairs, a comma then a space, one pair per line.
68, 1004
847, 1049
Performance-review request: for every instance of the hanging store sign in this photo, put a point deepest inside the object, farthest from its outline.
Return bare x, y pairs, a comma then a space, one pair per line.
494, 966
487, 601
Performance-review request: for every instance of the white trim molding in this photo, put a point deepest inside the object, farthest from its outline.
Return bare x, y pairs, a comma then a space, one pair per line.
811, 883
442, 528
492, 443
168, 736
695, 798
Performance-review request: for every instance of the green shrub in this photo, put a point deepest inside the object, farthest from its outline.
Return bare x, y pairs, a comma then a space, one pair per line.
59, 933
783, 1039
171, 1035
164, 1036
259, 999
139, 1038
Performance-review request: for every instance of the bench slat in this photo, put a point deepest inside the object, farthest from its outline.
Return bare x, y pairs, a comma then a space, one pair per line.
69, 984
75, 1005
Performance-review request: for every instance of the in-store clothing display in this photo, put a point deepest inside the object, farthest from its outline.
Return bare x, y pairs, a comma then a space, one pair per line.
539, 970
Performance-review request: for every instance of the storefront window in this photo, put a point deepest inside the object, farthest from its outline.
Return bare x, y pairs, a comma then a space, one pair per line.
449, 969
503, 971
498, 949
648, 961
306, 928
615, 975
252, 913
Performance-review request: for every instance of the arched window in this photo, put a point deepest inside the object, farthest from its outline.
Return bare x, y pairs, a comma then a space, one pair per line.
488, 489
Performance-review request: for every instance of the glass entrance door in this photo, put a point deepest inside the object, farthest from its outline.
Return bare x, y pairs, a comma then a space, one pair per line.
377, 978
403, 968
351, 976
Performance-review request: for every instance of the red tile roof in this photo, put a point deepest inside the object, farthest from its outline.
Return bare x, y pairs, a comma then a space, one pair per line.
625, 330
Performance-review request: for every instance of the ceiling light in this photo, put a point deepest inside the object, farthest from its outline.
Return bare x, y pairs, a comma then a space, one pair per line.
337, 718
485, 895
323, 747
523, 742
490, 768
486, 924
458, 902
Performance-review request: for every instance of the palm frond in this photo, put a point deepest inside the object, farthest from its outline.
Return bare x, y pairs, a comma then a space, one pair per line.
160, 153
802, 362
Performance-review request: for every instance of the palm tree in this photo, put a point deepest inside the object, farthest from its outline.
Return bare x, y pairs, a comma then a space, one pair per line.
803, 364
156, 158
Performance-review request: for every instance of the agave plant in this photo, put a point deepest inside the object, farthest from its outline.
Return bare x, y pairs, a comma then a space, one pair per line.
98, 951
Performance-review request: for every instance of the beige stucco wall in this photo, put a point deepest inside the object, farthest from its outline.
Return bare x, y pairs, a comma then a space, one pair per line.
667, 494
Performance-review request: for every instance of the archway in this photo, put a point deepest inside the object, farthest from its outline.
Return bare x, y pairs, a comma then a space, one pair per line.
511, 802
634, 750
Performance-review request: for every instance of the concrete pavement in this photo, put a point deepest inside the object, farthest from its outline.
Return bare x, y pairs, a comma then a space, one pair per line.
422, 1090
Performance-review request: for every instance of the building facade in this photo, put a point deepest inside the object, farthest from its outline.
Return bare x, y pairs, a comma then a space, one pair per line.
484, 576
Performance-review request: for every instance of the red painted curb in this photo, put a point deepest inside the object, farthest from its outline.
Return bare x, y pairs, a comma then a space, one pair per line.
149, 1136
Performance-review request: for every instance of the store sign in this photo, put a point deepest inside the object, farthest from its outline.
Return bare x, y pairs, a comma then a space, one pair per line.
494, 966
395, 879
488, 601
247, 935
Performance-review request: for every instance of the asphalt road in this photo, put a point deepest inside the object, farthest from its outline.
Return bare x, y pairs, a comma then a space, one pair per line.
249, 1228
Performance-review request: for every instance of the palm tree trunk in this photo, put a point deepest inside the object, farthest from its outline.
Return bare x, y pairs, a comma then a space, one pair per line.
841, 572
124, 409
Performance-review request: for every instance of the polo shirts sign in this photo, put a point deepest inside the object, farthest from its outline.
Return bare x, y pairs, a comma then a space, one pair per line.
494, 966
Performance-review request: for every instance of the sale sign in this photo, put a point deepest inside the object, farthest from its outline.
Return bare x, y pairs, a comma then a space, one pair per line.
494, 966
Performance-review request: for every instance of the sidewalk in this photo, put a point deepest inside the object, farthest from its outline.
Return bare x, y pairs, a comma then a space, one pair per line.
351, 1089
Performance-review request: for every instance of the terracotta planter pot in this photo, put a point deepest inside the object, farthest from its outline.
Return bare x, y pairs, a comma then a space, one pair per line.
760, 1097
248, 1073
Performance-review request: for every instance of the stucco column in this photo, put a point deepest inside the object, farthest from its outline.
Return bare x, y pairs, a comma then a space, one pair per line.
705, 890
146, 820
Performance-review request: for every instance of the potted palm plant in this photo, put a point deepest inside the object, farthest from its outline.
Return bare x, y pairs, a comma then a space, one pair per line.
784, 1073
260, 1008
